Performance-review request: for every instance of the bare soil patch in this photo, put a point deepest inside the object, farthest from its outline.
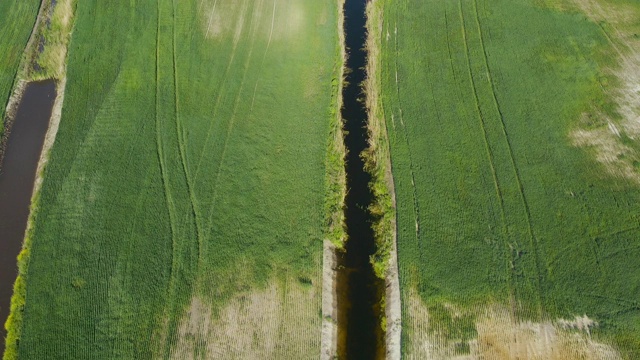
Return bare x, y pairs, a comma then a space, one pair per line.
279, 321
618, 23
502, 336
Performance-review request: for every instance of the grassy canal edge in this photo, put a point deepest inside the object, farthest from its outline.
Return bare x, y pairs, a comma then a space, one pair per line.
336, 189
378, 164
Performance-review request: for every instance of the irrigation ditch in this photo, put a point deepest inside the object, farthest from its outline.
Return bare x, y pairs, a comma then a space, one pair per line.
360, 293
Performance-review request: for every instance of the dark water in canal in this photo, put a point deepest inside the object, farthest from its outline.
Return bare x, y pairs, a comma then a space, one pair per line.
359, 290
17, 176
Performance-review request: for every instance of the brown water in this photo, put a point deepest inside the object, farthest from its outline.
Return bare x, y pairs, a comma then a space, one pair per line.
17, 176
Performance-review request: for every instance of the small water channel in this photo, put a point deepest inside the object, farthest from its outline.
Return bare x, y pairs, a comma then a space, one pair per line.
359, 291
17, 177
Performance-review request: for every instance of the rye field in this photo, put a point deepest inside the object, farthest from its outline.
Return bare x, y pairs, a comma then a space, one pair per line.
512, 127
16, 22
183, 209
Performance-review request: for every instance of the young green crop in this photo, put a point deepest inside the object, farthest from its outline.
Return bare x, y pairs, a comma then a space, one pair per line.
495, 203
188, 175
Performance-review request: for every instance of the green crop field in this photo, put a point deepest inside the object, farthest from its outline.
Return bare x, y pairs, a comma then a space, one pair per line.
183, 209
16, 22
516, 174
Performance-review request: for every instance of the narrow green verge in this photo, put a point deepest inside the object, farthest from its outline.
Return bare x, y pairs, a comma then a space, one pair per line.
377, 160
336, 152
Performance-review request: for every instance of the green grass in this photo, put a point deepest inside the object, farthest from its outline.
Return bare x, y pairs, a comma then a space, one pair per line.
16, 22
504, 206
185, 166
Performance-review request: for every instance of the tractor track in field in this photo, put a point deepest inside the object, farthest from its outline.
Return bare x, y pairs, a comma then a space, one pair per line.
523, 198
446, 24
232, 121
490, 157
224, 81
174, 202
273, 18
264, 56
509, 148
213, 11
416, 205
160, 152
165, 343
181, 140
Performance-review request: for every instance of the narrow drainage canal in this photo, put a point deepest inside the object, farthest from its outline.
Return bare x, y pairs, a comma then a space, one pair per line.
359, 291
17, 177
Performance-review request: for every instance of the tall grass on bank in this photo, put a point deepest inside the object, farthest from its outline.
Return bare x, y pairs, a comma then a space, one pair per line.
377, 161
336, 152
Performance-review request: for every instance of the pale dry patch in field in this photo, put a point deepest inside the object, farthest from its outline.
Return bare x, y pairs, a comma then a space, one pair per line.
617, 158
628, 95
582, 323
421, 344
280, 321
618, 23
239, 24
501, 336
329, 299
393, 310
212, 22
289, 19
220, 18
603, 10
